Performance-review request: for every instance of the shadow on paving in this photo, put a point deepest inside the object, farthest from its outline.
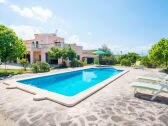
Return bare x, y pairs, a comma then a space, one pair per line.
159, 99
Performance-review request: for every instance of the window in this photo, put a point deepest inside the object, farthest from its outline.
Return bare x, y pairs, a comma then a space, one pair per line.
33, 44
36, 44
58, 44
78, 57
39, 57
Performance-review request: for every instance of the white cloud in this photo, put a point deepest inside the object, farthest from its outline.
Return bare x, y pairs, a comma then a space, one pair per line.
125, 49
35, 12
3, 1
73, 39
86, 45
25, 31
89, 33
61, 32
49, 21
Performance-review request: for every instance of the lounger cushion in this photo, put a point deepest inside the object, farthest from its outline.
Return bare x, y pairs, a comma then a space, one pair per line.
149, 78
148, 86
153, 78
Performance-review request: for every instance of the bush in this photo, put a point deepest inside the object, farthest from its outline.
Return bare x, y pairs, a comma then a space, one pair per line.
24, 63
117, 59
125, 62
35, 68
131, 56
84, 63
76, 63
63, 65
40, 67
95, 61
165, 71
147, 62
44, 67
108, 60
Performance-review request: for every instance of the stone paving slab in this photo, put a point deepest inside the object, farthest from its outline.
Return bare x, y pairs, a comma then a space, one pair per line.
111, 106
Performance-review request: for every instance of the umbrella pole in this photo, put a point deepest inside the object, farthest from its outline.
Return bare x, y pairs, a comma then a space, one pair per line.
98, 60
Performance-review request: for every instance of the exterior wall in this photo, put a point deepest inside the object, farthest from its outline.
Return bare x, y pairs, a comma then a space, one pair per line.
42, 43
37, 56
88, 55
78, 49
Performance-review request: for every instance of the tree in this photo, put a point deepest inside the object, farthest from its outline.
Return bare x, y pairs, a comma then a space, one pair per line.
65, 53
147, 62
11, 47
68, 53
125, 62
133, 57
109, 58
55, 53
106, 49
24, 63
159, 52
71, 53
118, 59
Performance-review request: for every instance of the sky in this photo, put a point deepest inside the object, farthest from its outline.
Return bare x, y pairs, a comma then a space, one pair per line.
123, 25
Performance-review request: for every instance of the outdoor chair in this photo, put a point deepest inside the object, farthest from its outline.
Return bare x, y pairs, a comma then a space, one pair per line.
159, 87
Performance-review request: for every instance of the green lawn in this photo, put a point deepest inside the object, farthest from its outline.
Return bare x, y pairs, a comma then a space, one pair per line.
12, 71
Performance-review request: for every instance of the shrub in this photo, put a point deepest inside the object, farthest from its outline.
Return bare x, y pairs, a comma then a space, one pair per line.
108, 60
125, 62
24, 63
35, 68
63, 65
76, 63
40, 67
165, 71
95, 61
117, 59
147, 62
131, 56
84, 63
44, 67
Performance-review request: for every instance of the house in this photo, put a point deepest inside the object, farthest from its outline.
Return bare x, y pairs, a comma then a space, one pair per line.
88, 56
78, 50
38, 48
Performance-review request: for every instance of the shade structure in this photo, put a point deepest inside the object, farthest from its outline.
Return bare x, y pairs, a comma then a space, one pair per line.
99, 52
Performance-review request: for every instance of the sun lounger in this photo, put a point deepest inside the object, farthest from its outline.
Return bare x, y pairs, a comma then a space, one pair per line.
138, 65
161, 87
153, 78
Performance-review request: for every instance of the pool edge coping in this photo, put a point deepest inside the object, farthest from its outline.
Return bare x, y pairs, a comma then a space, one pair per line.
41, 94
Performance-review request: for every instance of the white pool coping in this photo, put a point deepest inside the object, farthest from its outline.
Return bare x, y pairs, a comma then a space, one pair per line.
41, 94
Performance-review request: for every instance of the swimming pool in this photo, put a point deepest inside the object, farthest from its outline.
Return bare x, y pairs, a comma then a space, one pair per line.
67, 87
72, 83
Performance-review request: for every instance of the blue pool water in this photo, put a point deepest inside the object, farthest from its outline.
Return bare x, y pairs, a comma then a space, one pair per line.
72, 83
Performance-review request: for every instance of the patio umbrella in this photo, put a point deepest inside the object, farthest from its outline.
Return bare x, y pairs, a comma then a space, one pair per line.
99, 52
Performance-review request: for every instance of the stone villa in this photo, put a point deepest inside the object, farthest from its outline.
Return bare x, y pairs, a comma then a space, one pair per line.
39, 46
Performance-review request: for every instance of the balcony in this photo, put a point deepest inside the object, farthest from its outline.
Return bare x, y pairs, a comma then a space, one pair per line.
39, 47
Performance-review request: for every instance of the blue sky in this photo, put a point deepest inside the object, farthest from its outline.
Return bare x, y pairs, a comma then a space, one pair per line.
123, 25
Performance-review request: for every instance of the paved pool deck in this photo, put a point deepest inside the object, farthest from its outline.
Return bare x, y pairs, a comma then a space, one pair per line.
114, 105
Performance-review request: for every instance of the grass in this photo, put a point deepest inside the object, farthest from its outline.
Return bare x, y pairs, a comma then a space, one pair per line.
12, 72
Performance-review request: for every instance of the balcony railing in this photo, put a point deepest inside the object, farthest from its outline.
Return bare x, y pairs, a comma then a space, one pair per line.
44, 46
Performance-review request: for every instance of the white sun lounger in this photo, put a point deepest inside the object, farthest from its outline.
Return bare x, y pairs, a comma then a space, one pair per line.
161, 87
153, 78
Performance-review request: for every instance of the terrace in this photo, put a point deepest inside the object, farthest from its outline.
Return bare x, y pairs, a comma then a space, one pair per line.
115, 104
